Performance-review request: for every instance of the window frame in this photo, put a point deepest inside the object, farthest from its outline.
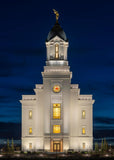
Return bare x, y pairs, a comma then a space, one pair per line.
30, 117
59, 129
83, 145
83, 116
30, 146
30, 130
56, 51
55, 106
56, 91
84, 129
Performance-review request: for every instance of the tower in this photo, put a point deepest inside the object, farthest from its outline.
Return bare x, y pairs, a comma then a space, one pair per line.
57, 117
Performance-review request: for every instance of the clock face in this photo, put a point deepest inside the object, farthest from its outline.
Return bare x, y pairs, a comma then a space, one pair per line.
56, 89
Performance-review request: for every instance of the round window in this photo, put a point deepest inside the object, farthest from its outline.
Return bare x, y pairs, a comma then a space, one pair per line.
56, 88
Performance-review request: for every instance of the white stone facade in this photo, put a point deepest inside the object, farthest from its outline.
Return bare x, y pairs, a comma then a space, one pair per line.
73, 106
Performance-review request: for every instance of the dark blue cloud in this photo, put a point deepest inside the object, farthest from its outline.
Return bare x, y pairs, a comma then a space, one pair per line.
10, 130
104, 120
103, 127
101, 132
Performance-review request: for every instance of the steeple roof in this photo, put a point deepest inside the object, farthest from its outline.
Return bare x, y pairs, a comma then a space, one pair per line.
56, 31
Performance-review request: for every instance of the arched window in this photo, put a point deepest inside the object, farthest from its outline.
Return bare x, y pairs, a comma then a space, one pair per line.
56, 51
30, 114
83, 131
30, 130
30, 145
83, 114
83, 145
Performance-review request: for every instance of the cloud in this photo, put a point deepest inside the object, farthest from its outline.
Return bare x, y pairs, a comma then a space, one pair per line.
95, 60
83, 50
108, 89
3, 97
96, 87
25, 90
9, 115
10, 130
103, 127
24, 51
102, 132
104, 120
112, 86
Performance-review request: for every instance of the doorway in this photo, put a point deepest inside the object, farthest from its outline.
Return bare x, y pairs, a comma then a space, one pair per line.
56, 146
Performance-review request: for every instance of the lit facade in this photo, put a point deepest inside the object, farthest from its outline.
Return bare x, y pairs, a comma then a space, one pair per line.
57, 117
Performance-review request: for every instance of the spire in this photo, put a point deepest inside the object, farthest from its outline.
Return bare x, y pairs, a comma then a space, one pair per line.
56, 44
56, 30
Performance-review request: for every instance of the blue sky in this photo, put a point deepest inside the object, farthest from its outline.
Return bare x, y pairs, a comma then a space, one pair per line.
89, 26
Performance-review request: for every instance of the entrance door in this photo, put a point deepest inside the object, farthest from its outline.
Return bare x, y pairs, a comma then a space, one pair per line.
56, 147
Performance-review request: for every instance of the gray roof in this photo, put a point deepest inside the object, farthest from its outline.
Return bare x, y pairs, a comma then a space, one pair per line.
56, 31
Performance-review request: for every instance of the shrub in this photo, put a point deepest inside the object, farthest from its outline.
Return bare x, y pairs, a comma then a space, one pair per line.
96, 147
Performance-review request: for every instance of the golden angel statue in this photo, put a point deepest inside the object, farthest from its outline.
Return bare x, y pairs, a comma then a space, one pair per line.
56, 13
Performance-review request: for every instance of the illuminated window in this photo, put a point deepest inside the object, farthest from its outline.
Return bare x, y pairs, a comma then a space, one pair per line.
30, 130
83, 114
56, 51
30, 114
56, 111
83, 131
30, 145
83, 145
56, 88
56, 129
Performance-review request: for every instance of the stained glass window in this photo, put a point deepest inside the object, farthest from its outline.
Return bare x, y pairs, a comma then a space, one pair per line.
30, 114
56, 51
56, 111
83, 114
56, 129
30, 130
83, 130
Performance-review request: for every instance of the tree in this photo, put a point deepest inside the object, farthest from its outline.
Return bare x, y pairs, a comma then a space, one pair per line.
105, 145
96, 147
8, 147
12, 145
102, 146
110, 148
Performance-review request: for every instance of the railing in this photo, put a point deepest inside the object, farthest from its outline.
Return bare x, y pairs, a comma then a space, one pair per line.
28, 97
85, 97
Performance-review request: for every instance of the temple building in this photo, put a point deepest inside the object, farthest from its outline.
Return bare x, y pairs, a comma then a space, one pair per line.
57, 117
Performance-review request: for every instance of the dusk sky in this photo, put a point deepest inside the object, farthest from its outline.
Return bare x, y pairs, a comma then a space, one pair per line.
24, 26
